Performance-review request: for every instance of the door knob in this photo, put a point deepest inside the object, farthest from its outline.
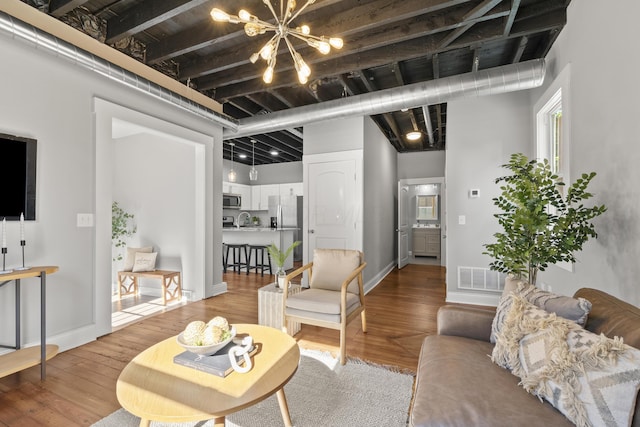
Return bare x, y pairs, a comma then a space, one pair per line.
312, 231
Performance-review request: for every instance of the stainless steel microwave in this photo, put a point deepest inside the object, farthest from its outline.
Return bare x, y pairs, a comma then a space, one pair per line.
231, 201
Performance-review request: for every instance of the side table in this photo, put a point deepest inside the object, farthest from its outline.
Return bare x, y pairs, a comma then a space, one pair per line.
270, 301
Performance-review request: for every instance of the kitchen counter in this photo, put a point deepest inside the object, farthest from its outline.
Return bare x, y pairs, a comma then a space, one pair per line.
282, 237
259, 229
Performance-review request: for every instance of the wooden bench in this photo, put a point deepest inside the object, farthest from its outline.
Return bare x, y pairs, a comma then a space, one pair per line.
170, 281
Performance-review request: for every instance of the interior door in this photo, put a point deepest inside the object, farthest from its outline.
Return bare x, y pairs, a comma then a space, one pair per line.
403, 225
333, 208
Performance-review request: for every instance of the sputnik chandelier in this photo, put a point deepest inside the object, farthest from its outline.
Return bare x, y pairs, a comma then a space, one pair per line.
254, 26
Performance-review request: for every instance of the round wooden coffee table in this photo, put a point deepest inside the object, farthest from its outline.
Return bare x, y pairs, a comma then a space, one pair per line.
153, 387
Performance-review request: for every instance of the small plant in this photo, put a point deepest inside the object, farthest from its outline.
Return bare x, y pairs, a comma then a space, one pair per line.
540, 226
280, 257
121, 227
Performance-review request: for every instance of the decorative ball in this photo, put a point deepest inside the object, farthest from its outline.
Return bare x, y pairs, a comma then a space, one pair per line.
212, 335
194, 332
219, 322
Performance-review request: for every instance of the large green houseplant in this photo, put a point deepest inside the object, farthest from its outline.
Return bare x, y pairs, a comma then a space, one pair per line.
541, 225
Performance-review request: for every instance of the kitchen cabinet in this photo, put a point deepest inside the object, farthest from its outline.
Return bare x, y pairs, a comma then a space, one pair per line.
426, 242
265, 192
255, 197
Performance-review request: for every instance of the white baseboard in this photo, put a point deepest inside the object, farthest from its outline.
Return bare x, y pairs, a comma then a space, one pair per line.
473, 298
375, 280
219, 288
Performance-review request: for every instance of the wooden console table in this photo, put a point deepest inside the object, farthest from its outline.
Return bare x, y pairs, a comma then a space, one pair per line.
24, 358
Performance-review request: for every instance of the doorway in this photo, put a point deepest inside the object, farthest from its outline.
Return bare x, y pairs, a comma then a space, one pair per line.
164, 187
421, 214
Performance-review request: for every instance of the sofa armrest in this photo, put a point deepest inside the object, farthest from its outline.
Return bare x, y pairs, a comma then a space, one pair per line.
467, 322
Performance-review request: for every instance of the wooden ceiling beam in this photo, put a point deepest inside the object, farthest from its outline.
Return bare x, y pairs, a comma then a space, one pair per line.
145, 15
515, 4
60, 8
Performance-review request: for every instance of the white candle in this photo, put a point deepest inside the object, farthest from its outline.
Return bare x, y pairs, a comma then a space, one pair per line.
22, 226
4, 232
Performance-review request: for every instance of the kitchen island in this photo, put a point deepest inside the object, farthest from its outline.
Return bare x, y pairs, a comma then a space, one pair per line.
282, 237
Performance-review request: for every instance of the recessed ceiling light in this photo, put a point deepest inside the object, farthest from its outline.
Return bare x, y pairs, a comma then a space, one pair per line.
414, 135
242, 156
274, 153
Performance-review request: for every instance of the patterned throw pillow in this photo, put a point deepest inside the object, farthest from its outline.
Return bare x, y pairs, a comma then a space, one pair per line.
591, 379
575, 309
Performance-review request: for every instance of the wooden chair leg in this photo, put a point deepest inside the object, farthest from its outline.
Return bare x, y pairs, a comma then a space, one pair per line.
363, 316
343, 344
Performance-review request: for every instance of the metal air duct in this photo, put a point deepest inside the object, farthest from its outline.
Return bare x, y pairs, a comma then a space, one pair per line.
509, 78
51, 44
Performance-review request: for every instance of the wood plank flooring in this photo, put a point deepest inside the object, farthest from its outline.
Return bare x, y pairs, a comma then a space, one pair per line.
80, 385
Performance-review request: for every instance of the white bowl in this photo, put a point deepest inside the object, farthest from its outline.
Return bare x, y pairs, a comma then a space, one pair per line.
205, 350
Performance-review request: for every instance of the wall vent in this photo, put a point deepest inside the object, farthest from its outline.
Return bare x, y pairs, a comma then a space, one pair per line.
480, 279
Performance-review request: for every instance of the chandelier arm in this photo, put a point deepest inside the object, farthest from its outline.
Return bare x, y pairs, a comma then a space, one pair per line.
273, 12
299, 12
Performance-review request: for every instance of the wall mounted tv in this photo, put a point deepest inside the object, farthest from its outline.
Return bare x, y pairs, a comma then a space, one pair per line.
17, 177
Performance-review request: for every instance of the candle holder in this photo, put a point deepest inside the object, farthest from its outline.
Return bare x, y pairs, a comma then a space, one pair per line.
4, 256
22, 243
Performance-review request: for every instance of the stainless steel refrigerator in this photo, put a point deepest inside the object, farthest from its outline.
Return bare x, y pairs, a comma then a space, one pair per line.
288, 213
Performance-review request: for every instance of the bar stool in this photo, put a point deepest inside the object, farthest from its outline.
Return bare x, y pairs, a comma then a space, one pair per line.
236, 251
259, 264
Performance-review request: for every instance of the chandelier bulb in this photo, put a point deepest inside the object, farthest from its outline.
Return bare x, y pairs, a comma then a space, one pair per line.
266, 51
267, 77
219, 15
302, 78
336, 42
254, 57
324, 47
305, 30
244, 15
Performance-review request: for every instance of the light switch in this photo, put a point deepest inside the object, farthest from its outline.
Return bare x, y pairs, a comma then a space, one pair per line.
462, 219
84, 220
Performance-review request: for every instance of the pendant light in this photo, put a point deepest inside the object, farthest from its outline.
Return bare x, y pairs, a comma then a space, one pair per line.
232, 173
253, 173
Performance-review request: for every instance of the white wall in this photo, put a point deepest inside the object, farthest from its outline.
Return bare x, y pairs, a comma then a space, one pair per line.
380, 202
481, 135
56, 108
334, 135
161, 192
425, 164
605, 102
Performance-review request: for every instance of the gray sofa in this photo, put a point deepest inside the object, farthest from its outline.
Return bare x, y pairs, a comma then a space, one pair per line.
457, 384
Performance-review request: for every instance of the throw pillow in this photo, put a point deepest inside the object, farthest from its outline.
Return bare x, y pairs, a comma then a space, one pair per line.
575, 309
131, 253
593, 380
144, 261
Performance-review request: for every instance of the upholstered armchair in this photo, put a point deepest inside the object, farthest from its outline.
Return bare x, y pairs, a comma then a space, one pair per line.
335, 295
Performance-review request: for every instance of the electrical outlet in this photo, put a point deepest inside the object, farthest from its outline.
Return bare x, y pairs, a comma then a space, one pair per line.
84, 220
462, 219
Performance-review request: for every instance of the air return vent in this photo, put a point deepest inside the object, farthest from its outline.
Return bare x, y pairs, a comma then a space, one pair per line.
480, 279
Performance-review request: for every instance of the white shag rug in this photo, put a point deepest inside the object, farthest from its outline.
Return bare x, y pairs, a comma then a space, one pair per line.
321, 393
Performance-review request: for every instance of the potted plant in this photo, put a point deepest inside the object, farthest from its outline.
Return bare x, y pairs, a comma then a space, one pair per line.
255, 220
541, 224
279, 258
121, 227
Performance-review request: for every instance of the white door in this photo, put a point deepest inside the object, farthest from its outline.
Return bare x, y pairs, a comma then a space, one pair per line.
403, 225
332, 214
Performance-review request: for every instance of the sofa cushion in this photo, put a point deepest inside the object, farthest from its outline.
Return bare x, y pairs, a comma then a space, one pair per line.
458, 385
332, 266
574, 309
591, 379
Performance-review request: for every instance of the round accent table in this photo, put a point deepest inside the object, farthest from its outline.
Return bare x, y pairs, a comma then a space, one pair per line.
153, 387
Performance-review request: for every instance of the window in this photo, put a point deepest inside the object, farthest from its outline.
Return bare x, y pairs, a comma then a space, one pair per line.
552, 126
552, 132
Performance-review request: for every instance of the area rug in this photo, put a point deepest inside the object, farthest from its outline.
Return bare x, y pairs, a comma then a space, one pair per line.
321, 393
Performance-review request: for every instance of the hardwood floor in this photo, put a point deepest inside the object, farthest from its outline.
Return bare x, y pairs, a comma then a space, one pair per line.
80, 385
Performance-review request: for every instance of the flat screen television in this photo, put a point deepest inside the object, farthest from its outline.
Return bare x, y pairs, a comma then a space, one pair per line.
17, 177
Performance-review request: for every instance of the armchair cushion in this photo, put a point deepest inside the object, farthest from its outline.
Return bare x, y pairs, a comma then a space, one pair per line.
332, 266
321, 302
